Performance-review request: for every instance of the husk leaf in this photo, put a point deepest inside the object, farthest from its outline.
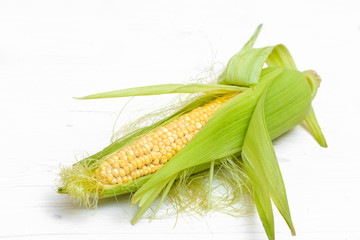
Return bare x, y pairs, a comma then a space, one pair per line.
315, 129
167, 89
263, 170
244, 68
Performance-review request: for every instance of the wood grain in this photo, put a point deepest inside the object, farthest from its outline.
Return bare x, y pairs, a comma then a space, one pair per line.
52, 51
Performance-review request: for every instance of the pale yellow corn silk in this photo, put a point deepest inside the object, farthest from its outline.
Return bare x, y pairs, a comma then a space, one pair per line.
81, 184
156, 115
230, 191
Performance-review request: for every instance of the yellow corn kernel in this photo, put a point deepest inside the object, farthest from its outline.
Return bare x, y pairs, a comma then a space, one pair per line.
148, 154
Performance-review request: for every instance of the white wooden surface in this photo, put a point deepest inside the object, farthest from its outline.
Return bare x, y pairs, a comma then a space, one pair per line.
51, 51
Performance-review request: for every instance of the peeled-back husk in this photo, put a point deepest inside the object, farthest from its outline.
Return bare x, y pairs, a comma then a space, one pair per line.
266, 103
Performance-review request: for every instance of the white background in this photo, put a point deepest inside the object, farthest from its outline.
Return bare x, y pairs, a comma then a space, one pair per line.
51, 51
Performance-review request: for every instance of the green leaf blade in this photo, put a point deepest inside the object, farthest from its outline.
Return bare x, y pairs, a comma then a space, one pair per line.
261, 198
315, 129
280, 56
166, 89
260, 156
146, 203
252, 40
244, 68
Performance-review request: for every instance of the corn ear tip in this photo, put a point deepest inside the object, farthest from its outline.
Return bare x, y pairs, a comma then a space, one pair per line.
79, 183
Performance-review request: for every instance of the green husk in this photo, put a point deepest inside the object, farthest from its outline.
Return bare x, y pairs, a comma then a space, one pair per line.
263, 170
315, 129
211, 179
265, 103
245, 67
168, 88
224, 133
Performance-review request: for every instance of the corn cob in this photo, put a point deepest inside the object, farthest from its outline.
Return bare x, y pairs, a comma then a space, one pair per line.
149, 153
238, 117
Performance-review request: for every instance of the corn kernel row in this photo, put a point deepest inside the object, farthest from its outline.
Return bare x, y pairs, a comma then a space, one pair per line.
150, 152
